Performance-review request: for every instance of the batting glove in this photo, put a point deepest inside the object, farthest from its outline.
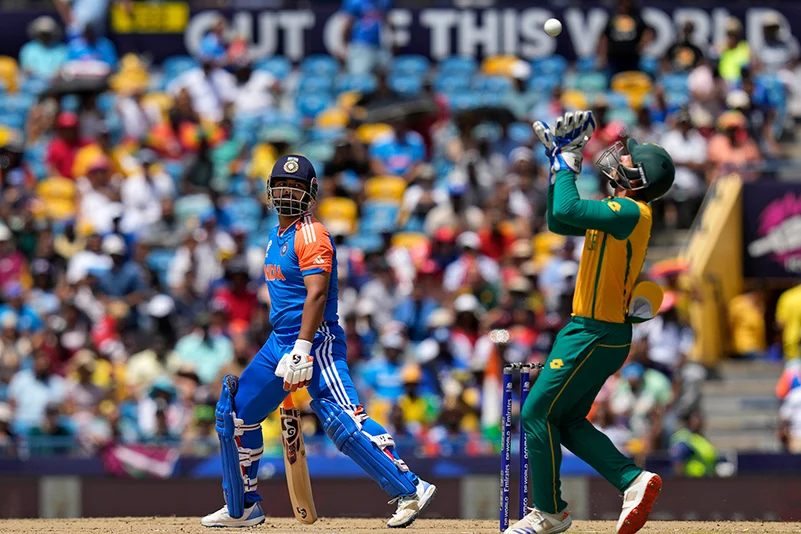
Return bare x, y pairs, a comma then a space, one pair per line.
564, 143
296, 368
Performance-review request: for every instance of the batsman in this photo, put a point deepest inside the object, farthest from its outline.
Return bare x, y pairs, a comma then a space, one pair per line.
595, 343
306, 349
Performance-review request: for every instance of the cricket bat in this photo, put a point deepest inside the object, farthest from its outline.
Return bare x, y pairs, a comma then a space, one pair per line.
297, 470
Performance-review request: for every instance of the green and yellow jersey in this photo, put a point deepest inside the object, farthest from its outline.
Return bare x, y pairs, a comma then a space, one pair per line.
616, 231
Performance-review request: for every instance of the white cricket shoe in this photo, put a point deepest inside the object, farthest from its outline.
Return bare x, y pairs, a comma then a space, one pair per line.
253, 516
539, 522
410, 507
638, 500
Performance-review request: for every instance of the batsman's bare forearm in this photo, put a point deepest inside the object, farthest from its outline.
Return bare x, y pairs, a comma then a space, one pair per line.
314, 306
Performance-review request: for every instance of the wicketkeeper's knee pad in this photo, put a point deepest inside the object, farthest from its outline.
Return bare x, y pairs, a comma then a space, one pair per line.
369, 452
240, 464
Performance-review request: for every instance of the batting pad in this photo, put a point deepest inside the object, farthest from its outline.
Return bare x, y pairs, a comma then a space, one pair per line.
349, 438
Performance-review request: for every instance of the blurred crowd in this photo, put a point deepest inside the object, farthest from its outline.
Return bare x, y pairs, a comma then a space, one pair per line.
134, 221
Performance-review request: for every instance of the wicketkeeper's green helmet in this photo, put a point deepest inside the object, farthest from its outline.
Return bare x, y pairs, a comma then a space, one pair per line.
652, 174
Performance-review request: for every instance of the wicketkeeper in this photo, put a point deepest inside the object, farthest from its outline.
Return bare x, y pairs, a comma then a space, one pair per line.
595, 344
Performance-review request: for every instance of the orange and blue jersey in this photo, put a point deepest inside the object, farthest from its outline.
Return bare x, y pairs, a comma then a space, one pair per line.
302, 249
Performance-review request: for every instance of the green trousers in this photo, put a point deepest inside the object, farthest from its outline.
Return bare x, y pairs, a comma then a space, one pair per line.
586, 352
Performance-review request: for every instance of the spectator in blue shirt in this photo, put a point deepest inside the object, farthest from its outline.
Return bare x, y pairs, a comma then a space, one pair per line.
31, 390
212, 45
91, 47
125, 279
27, 319
362, 34
382, 374
398, 154
43, 55
414, 310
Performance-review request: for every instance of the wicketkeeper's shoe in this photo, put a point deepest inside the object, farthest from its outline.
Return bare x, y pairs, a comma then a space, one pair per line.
638, 500
410, 507
539, 522
253, 516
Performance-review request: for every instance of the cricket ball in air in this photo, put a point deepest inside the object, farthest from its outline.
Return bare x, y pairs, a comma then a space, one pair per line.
553, 27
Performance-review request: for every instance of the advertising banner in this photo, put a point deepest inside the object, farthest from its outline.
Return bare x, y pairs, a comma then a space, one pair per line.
772, 230
164, 29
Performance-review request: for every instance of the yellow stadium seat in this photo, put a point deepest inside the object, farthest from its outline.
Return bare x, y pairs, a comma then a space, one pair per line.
9, 70
348, 99
340, 208
574, 99
6, 135
410, 240
129, 81
498, 65
389, 188
634, 84
332, 118
368, 133
262, 160
57, 195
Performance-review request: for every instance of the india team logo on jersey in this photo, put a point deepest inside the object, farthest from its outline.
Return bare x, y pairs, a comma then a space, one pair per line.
284, 248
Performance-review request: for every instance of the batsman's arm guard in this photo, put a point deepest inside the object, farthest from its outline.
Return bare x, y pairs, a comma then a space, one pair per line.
369, 452
235, 458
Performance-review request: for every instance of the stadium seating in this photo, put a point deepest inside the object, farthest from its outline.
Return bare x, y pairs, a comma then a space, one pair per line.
636, 85
332, 118
309, 105
458, 66
319, 65
498, 65
410, 65
408, 86
9, 73
552, 65
278, 66
362, 83
385, 188
368, 133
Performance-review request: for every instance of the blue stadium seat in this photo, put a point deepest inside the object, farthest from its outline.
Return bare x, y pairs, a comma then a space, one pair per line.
321, 151
18, 103
410, 65
586, 64
238, 208
458, 66
491, 98
320, 65
449, 84
159, 259
649, 65
556, 65
191, 206
674, 83
487, 131
378, 213
329, 135
13, 120
492, 84
365, 242
309, 105
462, 101
176, 65
258, 239
362, 83
34, 86
315, 84
588, 82
278, 66
105, 102
544, 83
521, 132
616, 100
406, 85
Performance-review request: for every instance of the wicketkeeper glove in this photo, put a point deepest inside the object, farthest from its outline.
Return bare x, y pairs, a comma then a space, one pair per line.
564, 143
